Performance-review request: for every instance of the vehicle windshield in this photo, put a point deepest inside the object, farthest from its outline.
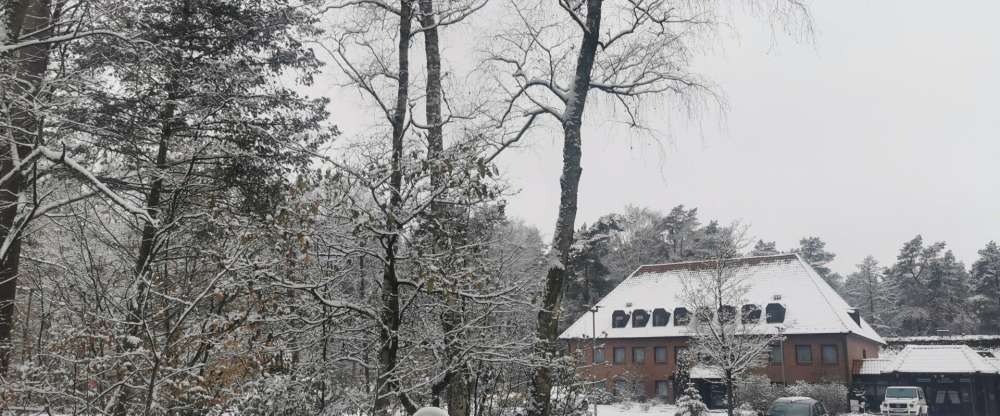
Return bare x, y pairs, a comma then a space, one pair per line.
789, 409
900, 393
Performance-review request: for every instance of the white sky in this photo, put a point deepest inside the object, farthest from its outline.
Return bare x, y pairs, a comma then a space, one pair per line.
885, 126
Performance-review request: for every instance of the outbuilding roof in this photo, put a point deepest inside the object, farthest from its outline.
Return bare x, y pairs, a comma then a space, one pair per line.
810, 305
931, 359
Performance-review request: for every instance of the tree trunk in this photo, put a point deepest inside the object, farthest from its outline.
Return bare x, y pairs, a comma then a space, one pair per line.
28, 66
546, 344
386, 381
730, 393
456, 379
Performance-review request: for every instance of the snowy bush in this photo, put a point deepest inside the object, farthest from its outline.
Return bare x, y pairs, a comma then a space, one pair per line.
757, 392
833, 395
690, 404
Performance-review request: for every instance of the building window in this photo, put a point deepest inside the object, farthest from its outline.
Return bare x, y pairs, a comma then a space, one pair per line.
751, 314
803, 355
619, 319
619, 355
621, 387
639, 319
662, 387
599, 356
727, 313
660, 354
864, 354
681, 317
703, 314
660, 317
600, 386
829, 354
775, 313
679, 353
775, 356
639, 388
638, 355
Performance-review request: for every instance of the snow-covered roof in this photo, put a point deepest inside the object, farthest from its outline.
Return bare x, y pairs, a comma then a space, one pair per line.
943, 338
932, 359
811, 305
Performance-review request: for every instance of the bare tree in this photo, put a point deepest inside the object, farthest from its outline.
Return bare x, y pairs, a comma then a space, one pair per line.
628, 51
728, 336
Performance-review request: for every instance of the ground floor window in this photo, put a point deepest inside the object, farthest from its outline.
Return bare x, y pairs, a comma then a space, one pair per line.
621, 387
803, 355
830, 354
662, 387
776, 356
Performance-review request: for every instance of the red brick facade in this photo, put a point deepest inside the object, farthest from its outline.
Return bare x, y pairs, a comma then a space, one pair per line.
645, 376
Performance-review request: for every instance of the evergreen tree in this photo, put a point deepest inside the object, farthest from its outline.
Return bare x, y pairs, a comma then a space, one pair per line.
764, 248
986, 288
813, 251
587, 282
690, 404
680, 226
865, 290
931, 288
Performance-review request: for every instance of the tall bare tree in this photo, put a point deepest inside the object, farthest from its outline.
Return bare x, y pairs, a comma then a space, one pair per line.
628, 51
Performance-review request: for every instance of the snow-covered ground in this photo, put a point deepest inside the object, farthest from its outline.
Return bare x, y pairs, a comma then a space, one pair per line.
641, 409
638, 409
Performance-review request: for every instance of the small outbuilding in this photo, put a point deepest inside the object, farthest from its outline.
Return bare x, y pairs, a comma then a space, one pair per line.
956, 379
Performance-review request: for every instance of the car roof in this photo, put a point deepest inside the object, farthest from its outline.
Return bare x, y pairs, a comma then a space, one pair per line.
796, 399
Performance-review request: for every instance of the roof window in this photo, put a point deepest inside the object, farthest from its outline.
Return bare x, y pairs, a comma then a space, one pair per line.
775, 313
660, 317
703, 314
619, 319
727, 313
640, 318
681, 316
750, 313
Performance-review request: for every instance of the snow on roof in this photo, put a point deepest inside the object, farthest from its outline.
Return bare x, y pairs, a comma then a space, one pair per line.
812, 306
932, 359
705, 372
943, 338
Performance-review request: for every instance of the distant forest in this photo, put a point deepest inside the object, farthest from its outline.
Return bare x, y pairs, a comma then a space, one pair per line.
926, 291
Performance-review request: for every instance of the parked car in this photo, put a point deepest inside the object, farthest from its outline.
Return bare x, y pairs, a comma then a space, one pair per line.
797, 406
904, 400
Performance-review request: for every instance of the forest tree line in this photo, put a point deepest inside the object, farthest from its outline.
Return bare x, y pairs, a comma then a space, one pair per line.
926, 291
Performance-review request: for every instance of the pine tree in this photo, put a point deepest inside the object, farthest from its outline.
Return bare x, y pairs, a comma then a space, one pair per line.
813, 251
865, 289
690, 404
931, 288
986, 288
764, 248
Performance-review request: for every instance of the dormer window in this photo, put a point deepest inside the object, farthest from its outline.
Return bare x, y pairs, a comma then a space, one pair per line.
703, 314
660, 317
640, 318
750, 313
681, 317
775, 313
619, 319
727, 313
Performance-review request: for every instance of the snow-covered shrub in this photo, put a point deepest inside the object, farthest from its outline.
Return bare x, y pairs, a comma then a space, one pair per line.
690, 404
833, 395
757, 392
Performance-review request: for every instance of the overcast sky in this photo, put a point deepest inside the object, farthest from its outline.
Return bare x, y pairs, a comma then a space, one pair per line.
885, 126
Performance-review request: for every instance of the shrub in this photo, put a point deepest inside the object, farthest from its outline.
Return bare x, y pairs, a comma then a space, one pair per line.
832, 395
690, 403
757, 392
